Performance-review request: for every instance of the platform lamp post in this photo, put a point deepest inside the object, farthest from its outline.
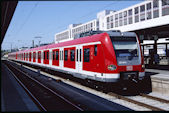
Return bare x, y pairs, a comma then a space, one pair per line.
38, 37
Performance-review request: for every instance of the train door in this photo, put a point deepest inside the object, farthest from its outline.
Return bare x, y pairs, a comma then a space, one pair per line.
55, 57
79, 58
39, 56
61, 57
46, 57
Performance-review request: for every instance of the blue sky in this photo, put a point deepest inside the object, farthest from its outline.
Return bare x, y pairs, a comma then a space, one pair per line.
45, 18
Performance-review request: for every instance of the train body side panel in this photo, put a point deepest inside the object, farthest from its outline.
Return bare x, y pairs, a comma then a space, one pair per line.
70, 62
94, 63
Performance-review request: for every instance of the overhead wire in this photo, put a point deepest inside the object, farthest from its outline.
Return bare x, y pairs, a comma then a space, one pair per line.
88, 14
28, 16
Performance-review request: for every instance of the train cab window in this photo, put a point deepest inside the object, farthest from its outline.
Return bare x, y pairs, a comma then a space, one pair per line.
53, 55
95, 50
86, 55
66, 55
57, 55
72, 55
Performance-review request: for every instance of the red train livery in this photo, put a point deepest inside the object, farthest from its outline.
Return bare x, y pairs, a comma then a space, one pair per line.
101, 56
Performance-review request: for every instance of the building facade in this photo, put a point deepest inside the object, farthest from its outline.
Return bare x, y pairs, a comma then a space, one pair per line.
149, 13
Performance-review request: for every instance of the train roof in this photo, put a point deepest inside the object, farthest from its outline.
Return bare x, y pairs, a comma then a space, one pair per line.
87, 39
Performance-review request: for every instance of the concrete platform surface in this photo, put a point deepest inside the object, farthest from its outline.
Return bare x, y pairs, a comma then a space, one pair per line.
13, 96
160, 74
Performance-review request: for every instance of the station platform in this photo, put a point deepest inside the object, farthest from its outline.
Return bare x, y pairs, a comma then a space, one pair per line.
157, 73
13, 96
159, 80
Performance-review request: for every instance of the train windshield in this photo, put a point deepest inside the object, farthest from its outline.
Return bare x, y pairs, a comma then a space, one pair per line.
126, 49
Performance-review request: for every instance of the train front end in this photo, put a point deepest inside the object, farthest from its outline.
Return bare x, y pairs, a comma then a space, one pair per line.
124, 59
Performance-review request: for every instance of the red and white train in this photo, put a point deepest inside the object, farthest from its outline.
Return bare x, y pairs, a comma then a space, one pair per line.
107, 56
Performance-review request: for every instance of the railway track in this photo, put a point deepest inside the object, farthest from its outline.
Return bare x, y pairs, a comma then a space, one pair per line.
151, 102
45, 98
142, 101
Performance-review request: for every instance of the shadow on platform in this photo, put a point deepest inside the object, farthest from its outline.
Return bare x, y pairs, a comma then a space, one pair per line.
159, 67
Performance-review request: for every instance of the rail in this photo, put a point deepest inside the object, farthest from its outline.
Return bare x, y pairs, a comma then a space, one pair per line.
45, 98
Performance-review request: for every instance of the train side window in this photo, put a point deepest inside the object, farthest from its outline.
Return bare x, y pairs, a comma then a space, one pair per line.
72, 55
80, 55
95, 50
66, 55
43, 55
39, 55
53, 55
86, 53
57, 55
47, 55
76, 54
62, 55
34, 55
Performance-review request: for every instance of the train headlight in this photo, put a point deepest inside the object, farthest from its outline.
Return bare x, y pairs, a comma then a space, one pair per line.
111, 67
143, 66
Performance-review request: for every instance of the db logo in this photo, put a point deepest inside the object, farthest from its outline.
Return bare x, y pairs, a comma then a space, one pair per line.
129, 68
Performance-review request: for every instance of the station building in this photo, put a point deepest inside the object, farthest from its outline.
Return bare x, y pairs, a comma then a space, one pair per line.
137, 18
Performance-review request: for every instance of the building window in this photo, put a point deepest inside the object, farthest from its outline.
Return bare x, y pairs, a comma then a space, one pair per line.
136, 10
120, 19
130, 18
125, 14
149, 6
66, 55
136, 15
107, 19
120, 15
111, 25
111, 18
108, 27
165, 7
116, 20
142, 13
149, 16
72, 55
155, 9
155, 13
130, 12
142, 8
86, 55
137, 18
155, 3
